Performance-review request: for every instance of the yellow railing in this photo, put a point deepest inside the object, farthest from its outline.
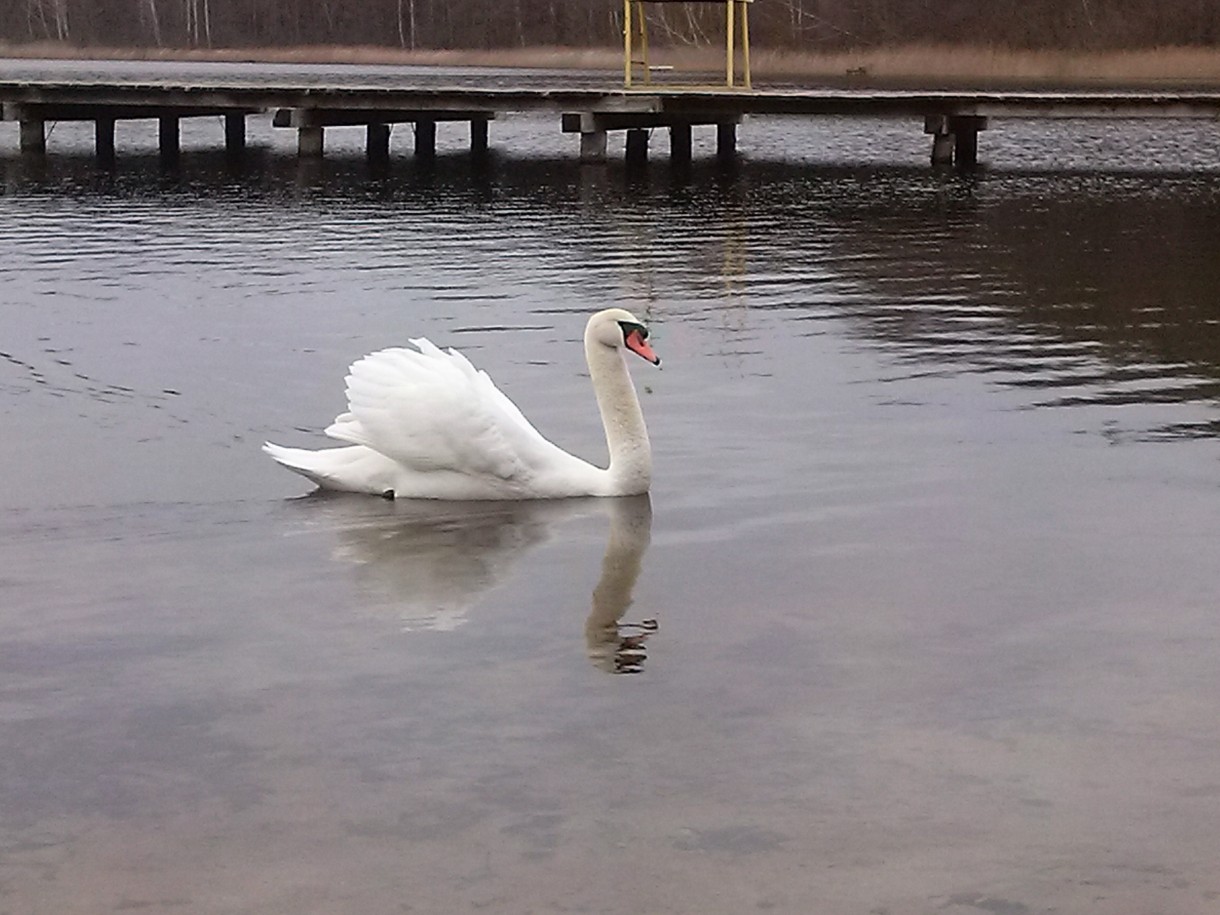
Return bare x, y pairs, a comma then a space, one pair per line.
635, 41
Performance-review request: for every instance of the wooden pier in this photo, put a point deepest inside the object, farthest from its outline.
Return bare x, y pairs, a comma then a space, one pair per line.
953, 120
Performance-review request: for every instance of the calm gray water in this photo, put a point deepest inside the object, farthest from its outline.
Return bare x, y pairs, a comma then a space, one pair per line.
921, 617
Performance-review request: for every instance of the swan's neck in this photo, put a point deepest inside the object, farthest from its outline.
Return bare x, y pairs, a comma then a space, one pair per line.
630, 470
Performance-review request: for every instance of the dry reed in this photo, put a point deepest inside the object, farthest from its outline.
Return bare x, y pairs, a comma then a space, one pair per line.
929, 66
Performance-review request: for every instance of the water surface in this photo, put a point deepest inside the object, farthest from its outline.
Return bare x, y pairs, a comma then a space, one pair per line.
920, 616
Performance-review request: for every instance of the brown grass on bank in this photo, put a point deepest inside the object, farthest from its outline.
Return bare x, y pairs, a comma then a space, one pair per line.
973, 65
928, 66
541, 57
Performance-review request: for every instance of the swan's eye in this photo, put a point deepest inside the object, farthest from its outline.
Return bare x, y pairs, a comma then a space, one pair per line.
629, 329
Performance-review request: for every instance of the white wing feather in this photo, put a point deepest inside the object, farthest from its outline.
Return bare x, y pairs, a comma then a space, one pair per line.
431, 410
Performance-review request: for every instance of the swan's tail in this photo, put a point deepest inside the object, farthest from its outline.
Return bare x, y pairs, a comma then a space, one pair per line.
351, 469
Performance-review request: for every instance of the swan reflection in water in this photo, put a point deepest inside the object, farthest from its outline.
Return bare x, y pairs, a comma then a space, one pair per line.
615, 646
431, 561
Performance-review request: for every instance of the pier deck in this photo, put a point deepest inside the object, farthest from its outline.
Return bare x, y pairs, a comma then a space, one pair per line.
953, 119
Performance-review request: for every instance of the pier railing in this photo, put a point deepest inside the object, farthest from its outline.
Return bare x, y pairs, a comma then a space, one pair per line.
635, 40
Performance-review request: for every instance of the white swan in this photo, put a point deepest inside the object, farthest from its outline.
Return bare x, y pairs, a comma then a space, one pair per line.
425, 424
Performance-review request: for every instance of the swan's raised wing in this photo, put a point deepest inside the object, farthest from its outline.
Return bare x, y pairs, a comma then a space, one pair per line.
431, 410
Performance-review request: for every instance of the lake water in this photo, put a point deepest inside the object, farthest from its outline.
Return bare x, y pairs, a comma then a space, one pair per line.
921, 615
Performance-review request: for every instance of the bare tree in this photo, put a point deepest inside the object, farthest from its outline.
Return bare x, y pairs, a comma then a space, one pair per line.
150, 7
402, 39
795, 24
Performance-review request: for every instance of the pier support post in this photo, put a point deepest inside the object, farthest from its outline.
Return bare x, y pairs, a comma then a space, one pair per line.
966, 147
310, 142
637, 146
942, 149
942, 138
955, 138
103, 135
235, 133
167, 138
726, 141
377, 142
966, 138
478, 137
679, 144
592, 132
592, 146
425, 139
33, 136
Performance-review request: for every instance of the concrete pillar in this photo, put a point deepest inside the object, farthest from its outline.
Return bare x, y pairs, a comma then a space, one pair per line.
167, 138
955, 138
942, 138
679, 144
942, 148
377, 145
235, 133
478, 137
966, 147
965, 130
593, 146
310, 142
425, 139
637, 146
33, 136
103, 134
726, 142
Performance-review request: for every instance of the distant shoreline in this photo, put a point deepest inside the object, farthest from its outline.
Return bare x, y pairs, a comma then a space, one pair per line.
907, 66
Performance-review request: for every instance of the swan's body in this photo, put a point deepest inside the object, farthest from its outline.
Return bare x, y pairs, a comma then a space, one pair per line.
423, 423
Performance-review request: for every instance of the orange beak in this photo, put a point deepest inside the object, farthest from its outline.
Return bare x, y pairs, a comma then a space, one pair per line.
637, 344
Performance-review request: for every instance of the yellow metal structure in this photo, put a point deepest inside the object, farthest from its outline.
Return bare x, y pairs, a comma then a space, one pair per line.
635, 41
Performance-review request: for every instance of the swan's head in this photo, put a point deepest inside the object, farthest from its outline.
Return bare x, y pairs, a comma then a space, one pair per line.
618, 328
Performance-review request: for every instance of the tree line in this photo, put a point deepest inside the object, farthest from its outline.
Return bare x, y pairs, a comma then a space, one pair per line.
812, 25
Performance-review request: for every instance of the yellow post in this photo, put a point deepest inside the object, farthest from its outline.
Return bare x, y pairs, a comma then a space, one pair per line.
635, 41
641, 23
728, 72
745, 42
627, 43
635, 26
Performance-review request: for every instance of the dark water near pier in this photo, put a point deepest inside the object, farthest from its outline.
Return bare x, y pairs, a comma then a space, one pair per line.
931, 551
